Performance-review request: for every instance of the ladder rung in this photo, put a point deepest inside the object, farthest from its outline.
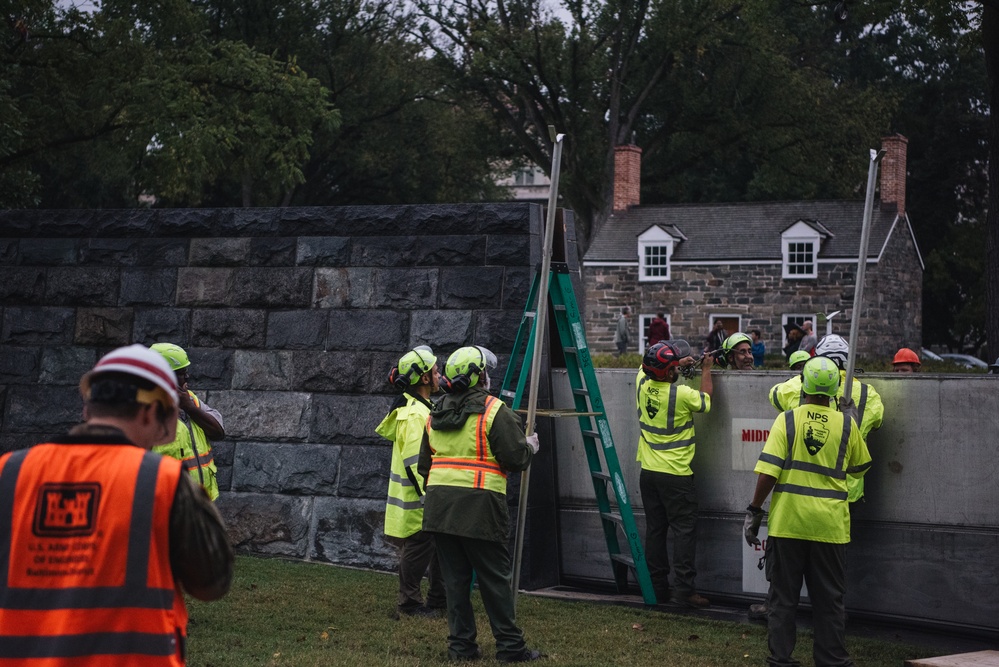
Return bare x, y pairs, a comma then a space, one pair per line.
623, 558
600, 474
560, 306
591, 434
508, 393
530, 313
582, 391
610, 516
570, 350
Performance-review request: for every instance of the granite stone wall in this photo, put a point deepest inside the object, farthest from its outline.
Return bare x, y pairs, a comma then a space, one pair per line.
292, 318
891, 316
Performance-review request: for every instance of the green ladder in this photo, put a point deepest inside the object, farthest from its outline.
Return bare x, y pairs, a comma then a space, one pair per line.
583, 382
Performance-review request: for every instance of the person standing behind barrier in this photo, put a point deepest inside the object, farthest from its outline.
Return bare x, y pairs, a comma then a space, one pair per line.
198, 425
809, 339
810, 453
658, 329
713, 341
101, 537
665, 450
905, 361
472, 442
738, 351
759, 348
621, 333
417, 374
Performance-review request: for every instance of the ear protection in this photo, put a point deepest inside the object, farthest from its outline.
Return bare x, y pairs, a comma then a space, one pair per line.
403, 380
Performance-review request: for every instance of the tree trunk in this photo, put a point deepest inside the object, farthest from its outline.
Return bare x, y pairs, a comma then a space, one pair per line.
990, 39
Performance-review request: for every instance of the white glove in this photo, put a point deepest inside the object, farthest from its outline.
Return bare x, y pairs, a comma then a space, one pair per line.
532, 442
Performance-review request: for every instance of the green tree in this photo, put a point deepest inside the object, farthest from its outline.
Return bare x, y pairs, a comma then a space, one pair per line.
133, 98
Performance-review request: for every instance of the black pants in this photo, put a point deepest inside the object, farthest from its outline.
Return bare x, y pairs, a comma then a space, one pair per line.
670, 503
490, 561
418, 556
823, 568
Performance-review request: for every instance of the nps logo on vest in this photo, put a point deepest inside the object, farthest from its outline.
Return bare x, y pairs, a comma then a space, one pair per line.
652, 402
66, 510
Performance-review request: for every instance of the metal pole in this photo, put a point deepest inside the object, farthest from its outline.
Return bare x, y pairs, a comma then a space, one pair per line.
858, 292
540, 324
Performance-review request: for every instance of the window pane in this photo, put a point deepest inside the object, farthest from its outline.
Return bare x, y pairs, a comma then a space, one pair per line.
656, 260
800, 259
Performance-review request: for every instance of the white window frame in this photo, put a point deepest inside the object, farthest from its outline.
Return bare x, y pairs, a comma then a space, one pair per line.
654, 237
799, 233
643, 325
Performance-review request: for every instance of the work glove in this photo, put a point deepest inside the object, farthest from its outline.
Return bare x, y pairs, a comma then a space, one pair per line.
751, 525
848, 408
532, 442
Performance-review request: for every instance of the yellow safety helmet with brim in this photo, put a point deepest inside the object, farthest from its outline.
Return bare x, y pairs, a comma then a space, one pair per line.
466, 365
174, 355
735, 339
412, 366
820, 376
797, 357
141, 362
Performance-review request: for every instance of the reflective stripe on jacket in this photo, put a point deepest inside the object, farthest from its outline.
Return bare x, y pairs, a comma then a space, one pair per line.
811, 451
463, 457
202, 467
85, 575
404, 427
666, 423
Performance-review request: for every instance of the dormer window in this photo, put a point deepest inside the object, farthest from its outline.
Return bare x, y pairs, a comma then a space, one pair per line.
655, 248
800, 248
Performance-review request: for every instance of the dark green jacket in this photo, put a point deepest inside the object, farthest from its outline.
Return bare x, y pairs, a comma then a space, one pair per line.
477, 513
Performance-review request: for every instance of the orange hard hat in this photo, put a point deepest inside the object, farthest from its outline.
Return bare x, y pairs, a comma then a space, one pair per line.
906, 356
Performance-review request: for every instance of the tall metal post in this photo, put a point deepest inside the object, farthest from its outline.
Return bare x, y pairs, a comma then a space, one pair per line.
540, 325
858, 291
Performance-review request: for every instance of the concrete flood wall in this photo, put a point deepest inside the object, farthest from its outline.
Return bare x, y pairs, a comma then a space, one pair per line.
292, 318
925, 544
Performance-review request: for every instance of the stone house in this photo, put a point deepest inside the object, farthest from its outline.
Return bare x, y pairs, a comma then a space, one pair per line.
756, 265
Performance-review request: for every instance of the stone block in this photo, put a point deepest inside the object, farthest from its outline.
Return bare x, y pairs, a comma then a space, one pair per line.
509, 251
297, 329
323, 251
50, 252
294, 469
77, 286
219, 252
22, 285
267, 523
66, 365
348, 420
110, 252
8, 251
350, 531
468, 287
198, 286
19, 365
10, 442
262, 370
148, 287
517, 287
496, 329
364, 471
38, 326
103, 326
385, 330
406, 251
272, 251
443, 330
231, 328
276, 415
344, 288
162, 252
46, 411
271, 287
406, 288
161, 325
211, 368
343, 372
223, 453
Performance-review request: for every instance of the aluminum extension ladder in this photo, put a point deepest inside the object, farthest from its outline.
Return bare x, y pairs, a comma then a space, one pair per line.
593, 424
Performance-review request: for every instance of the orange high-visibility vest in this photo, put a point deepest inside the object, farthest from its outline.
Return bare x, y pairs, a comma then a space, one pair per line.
85, 576
453, 462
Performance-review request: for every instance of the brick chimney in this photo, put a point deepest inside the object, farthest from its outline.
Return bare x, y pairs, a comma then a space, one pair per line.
893, 171
627, 176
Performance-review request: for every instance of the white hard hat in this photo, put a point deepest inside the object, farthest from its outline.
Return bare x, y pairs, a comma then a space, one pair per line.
834, 347
139, 361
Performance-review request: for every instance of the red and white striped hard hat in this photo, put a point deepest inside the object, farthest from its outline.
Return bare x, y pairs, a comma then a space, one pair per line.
139, 361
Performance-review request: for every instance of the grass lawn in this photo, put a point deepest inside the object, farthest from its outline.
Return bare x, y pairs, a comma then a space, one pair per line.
307, 614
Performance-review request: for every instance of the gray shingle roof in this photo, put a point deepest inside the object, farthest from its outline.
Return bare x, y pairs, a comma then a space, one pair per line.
741, 231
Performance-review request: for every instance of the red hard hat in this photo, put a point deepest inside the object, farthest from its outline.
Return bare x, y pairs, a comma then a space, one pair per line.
906, 356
